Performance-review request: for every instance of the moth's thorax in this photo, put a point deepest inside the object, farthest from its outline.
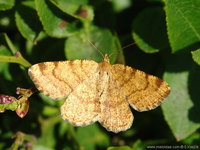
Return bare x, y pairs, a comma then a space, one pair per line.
104, 68
105, 64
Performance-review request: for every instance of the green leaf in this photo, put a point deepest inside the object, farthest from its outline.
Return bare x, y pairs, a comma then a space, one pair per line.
90, 136
120, 58
50, 111
11, 106
85, 14
6, 4
47, 131
139, 145
41, 147
149, 144
79, 46
153, 1
63, 128
193, 139
29, 28
10, 44
77, 9
119, 148
183, 23
47, 99
55, 22
18, 58
149, 30
196, 56
181, 107
5, 72
120, 5
7, 21
69, 6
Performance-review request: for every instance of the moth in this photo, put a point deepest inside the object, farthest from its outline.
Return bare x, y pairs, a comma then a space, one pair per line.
99, 91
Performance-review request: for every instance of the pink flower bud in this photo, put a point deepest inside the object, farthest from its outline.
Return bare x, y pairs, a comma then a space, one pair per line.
22, 109
5, 99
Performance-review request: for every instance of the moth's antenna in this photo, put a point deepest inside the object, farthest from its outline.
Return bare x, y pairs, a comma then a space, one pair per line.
96, 48
128, 45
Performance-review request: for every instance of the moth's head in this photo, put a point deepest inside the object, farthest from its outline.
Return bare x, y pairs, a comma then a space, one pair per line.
106, 58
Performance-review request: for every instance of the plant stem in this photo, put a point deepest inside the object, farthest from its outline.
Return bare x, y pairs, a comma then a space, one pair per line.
13, 59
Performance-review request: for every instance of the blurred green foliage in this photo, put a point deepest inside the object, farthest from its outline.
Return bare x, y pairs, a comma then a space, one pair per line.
167, 38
